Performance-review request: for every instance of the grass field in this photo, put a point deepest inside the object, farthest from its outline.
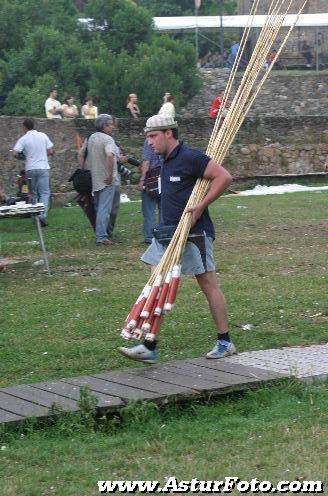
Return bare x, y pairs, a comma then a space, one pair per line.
271, 257
277, 433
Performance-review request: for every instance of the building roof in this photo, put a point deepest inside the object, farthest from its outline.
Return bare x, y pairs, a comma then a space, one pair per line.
185, 23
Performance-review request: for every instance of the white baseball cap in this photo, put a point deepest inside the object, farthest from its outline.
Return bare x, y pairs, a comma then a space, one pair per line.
159, 122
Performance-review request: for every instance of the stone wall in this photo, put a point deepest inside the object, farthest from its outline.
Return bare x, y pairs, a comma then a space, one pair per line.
282, 95
264, 146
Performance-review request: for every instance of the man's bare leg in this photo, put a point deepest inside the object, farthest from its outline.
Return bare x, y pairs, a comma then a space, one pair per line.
209, 285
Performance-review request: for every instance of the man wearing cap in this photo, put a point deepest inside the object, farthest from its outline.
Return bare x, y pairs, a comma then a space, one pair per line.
99, 154
181, 168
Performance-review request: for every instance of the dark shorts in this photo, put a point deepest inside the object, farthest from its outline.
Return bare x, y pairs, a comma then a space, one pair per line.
197, 257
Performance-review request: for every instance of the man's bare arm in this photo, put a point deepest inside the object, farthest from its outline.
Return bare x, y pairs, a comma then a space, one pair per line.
144, 169
110, 166
220, 180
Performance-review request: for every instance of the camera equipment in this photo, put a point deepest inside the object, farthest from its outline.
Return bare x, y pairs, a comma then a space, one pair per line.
124, 171
134, 161
21, 156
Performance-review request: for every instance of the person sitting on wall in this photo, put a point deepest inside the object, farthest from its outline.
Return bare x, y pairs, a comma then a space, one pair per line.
70, 110
168, 107
131, 105
88, 110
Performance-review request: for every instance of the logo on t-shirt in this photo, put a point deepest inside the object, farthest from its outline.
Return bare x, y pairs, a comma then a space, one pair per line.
175, 179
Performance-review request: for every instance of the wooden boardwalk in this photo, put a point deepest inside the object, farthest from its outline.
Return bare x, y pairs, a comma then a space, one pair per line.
161, 383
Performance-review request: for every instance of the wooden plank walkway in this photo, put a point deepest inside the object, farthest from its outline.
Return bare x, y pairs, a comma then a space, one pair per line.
161, 383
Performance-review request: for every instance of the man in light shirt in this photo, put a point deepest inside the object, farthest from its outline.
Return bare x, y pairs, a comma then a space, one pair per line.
53, 107
36, 147
99, 154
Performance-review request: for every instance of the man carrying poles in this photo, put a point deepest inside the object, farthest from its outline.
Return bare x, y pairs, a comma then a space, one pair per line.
181, 168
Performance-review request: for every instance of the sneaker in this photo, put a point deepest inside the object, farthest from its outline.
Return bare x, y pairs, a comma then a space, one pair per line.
43, 222
139, 353
222, 349
105, 242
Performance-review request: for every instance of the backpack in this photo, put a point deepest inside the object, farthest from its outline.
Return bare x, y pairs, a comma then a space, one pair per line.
81, 180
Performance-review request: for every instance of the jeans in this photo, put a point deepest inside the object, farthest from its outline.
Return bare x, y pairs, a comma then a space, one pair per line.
103, 205
40, 186
148, 211
114, 211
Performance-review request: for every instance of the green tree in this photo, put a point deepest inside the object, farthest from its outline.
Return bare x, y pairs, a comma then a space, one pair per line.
153, 68
121, 54
123, 23
29, 100
18, 19
186, 7
46, 50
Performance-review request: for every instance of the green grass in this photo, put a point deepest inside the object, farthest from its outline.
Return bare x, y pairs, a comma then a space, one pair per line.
271, 260
276, 433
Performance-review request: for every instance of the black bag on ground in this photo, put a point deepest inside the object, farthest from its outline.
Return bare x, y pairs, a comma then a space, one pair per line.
81, 180
151, 183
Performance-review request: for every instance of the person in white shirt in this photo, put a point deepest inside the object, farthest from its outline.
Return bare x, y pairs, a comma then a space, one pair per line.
52, 106
167, 108
36, 147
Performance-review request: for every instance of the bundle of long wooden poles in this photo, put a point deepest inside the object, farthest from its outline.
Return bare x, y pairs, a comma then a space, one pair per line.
158, 295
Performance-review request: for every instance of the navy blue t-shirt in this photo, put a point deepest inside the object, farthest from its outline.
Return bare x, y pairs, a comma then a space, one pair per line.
179, 174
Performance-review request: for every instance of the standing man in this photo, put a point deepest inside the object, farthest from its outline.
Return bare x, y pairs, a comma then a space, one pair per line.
36, 148
52, 106
180, 171
99, 153
120, 157
150, 161
233, 53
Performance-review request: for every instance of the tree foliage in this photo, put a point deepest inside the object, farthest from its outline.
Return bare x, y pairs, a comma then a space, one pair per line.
43, 44
187, 7
120, 74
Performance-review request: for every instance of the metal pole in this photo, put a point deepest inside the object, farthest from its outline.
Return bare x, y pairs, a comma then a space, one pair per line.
316, 49
43, 247
221, 31
196, 35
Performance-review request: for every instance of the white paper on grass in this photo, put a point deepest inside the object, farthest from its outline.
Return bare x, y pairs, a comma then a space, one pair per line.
124, 198
278, 190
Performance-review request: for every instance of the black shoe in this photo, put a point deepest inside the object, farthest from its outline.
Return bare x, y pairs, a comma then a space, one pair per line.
43, 222
147, 241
